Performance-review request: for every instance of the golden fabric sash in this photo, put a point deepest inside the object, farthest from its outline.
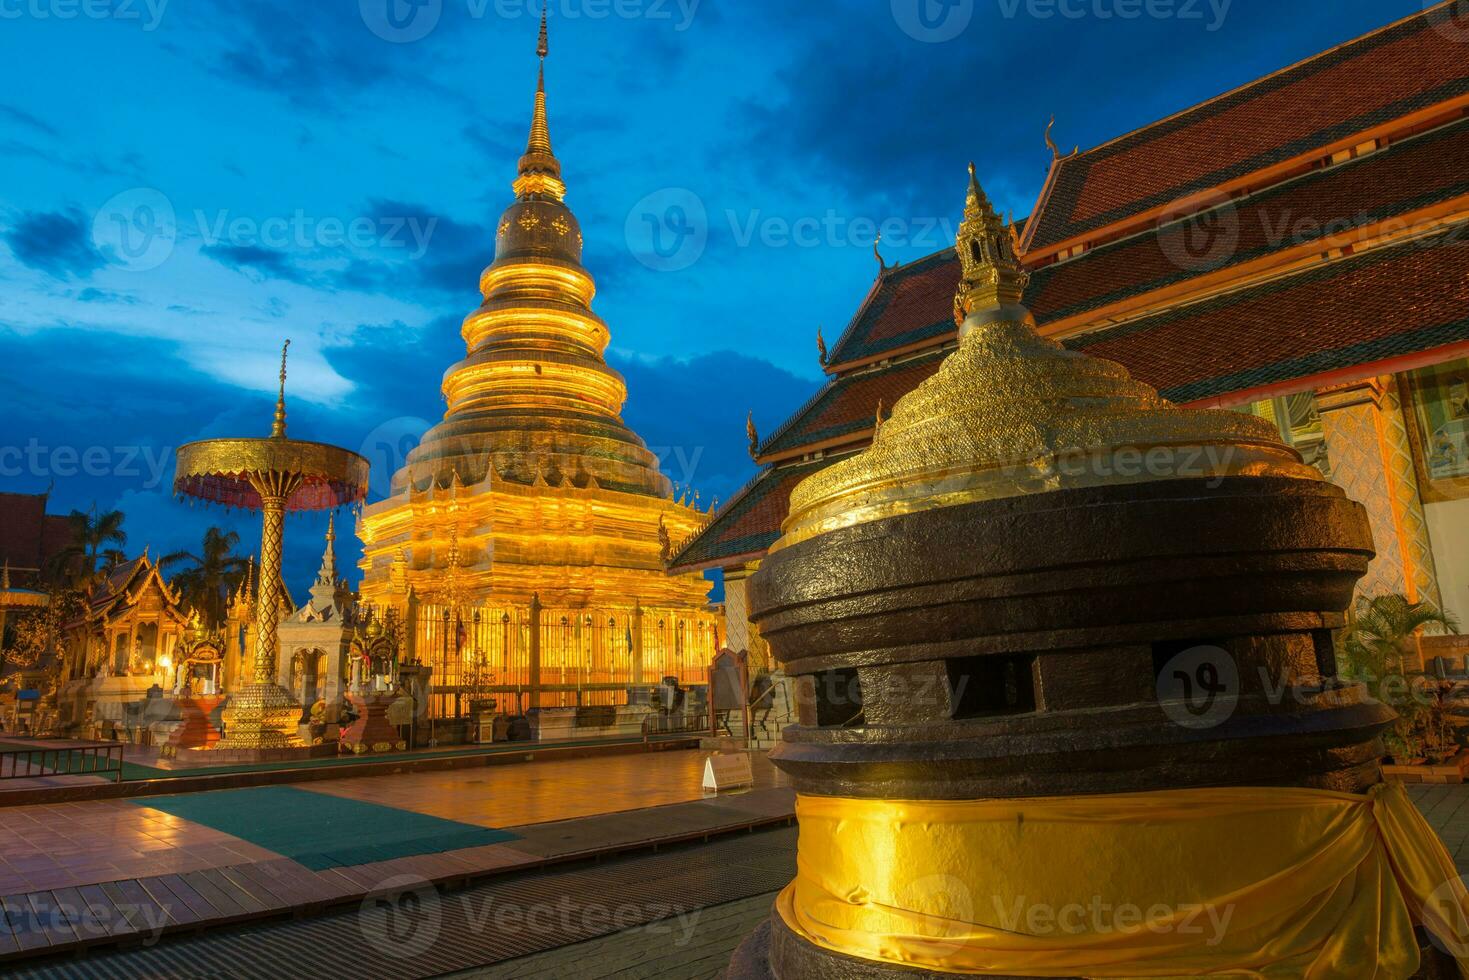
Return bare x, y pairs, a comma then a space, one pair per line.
1267, 883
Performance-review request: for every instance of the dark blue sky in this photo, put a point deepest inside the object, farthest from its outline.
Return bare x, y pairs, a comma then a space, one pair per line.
184, 183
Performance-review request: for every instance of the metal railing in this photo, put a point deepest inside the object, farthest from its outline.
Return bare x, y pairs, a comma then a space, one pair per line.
76, 759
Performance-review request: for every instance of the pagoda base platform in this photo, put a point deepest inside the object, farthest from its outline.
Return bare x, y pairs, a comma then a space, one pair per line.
220, 757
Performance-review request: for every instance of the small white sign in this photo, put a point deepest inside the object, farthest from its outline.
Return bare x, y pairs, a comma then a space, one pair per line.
723, 772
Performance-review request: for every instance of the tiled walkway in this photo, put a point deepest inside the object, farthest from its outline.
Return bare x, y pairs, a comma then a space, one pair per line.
144, 869
515, 795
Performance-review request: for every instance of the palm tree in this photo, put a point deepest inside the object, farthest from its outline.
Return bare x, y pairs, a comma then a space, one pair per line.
91, 533
112, 559
1383, 633
215, 572
1375, 647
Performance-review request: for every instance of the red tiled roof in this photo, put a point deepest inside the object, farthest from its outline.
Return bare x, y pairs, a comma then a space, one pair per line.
1385, 303
1406, 177
1409, 66
848, 404
911, 304
750, 522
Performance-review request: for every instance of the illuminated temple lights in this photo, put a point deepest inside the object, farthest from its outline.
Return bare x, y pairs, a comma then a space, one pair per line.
533, 489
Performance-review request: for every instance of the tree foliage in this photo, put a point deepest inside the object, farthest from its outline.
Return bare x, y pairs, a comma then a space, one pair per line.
212, 574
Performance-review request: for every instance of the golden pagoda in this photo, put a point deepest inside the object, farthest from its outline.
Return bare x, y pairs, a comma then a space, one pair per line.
532, 490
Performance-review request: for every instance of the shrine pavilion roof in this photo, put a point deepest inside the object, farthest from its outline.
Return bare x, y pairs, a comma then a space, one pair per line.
846, 408
909, 305
1357, 311
1389, 75
750, 522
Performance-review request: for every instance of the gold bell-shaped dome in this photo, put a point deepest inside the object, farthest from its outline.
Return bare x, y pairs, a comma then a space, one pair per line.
1013, 413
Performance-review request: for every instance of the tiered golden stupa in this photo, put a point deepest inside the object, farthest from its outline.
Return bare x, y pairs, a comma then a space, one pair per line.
550, 494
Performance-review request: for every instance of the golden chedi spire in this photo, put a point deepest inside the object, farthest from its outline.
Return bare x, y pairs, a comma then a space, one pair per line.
1012, 413
540, 171
534, 392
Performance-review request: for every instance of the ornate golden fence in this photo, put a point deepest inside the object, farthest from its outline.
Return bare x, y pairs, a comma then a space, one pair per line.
534, 656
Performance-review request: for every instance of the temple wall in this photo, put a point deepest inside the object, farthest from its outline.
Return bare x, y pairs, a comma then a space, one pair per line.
1448, 526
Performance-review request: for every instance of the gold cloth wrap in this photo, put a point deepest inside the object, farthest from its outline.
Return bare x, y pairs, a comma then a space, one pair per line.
1267, 883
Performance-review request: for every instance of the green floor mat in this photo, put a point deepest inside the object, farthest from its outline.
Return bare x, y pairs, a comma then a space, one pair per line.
321, 831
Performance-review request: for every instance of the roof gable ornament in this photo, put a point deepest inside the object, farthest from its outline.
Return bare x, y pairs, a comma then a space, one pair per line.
753, 434
821, 347
1050, 143
882, 265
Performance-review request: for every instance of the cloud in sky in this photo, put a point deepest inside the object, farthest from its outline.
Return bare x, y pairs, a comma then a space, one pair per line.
59, 243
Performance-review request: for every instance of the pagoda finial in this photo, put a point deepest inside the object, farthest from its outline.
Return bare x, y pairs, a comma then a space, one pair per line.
278, 430
540, 171
993, 277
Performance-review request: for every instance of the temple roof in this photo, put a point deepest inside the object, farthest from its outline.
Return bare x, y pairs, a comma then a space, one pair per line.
750, 522
1406, 177
1386, 303
914, 303
1392, 73
847, 406
909, 304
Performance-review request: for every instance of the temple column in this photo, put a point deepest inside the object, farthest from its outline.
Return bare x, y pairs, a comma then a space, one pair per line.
535, 652
1372, 460
636, 653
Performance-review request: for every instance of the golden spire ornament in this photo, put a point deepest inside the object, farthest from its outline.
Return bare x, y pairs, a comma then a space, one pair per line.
753, 435
821, 346
1012, 413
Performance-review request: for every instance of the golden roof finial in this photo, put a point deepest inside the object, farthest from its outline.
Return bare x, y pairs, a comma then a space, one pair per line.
331, 528
540, 171
665, 543
882, 265
278, 430
1011, 413
753, 434
821, 346
994, 279
1055, 150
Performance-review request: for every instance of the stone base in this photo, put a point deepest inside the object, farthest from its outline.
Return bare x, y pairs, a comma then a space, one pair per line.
371, 732
613, 721
225, 756
195, 729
